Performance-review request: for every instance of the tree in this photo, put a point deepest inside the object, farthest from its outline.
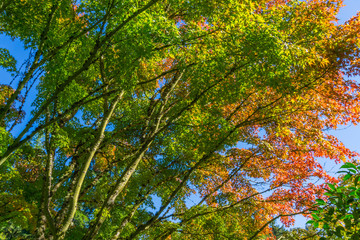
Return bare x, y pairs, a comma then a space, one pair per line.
172, 119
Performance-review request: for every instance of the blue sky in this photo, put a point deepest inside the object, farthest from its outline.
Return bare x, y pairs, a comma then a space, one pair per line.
350, 9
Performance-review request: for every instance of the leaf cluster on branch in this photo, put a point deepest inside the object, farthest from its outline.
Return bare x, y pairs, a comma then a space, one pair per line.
338, 217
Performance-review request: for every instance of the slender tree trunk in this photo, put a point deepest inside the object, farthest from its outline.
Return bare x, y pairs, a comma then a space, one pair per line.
74, 200
45, 217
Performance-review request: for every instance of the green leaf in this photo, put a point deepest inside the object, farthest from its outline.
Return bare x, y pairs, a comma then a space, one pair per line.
331, 186
357, 193
320, 202
349, 165
347, 176
353, 171
356, 180
315, 216
348, 216
310, 222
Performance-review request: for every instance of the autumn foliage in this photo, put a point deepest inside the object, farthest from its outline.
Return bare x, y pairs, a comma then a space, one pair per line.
173, 119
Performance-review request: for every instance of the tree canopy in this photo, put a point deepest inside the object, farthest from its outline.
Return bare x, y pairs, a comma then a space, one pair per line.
171, 119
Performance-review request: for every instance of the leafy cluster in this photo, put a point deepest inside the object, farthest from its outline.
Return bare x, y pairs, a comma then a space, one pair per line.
339, 215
